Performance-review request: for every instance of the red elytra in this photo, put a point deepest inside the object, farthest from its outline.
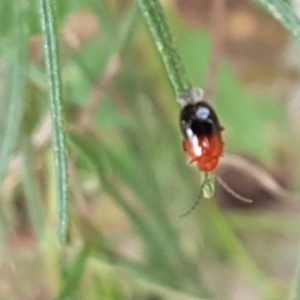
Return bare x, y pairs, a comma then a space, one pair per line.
202, 135
211, 149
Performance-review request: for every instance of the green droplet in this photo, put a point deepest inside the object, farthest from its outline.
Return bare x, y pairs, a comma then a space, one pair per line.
208, 187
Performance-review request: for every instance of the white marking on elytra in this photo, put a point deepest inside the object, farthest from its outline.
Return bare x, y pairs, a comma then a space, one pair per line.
194, 141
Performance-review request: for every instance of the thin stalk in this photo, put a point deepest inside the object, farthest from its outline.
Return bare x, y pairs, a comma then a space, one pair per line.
295, 291
284, 13
141, 284
158, 26
32, 197
13, 97
217, 30
220, 230
47, 17
14, 93
112, 67
74, 275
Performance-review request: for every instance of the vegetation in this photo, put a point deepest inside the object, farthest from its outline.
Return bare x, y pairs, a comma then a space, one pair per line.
90, 209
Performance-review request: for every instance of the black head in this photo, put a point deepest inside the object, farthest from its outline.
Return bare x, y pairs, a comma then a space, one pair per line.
200, 118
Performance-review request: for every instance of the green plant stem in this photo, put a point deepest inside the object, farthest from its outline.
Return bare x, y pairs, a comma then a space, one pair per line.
14, 85
295, 290
283, 12
32, 196
221, 231
47, 16
74, 275
157, 23
14, 94
142, 285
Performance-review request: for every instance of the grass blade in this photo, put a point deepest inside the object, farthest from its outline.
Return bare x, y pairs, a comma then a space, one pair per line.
47, 16
33, 201
14, 92
295, 290
157, 23
13, 98
74, 274
282, 12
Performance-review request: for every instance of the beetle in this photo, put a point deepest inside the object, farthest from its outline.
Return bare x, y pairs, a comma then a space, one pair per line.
201, 130
202, 139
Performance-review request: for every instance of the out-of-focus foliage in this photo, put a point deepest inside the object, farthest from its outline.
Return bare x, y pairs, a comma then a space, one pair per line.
129, 179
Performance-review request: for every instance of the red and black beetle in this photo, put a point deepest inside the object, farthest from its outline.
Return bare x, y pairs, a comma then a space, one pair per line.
201, 129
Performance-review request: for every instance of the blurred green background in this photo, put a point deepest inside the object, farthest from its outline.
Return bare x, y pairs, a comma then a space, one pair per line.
129, 178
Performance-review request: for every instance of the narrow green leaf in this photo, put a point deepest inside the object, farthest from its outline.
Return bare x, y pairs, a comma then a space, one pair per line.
295, 290
33, 201
129, 24
138, 284
94, 155
221, 232
106, 19
158, 25
283, 12
159, 245
74, 274
14, 90
12, 99
47, 16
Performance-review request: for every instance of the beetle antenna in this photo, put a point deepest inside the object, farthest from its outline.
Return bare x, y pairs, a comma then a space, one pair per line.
231, 191
206, 178
192, 208
225, 186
